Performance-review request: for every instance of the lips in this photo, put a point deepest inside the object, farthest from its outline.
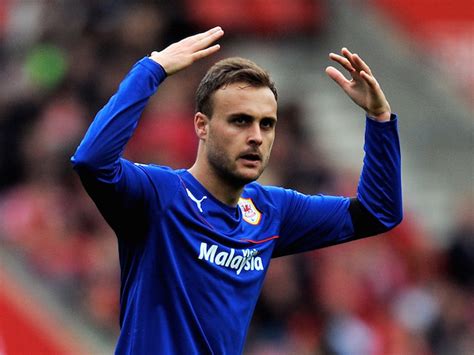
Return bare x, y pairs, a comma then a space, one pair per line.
251, 156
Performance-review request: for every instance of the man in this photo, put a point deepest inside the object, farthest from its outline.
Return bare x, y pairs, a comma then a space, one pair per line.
194, 245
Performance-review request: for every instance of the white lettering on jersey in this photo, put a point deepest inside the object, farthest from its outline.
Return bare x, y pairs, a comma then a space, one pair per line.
198, 202
248, 261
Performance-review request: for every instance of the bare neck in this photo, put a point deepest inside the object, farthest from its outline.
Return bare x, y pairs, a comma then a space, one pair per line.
217, 186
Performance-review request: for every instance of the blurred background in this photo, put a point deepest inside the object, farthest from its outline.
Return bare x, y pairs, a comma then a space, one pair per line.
410, 291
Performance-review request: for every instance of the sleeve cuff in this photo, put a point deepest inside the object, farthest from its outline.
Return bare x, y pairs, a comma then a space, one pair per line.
155, 68
374, 122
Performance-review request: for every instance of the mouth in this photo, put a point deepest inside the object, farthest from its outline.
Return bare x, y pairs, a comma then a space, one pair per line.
251, 160
251, 157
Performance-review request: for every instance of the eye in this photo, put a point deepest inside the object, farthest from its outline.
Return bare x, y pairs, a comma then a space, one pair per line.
241, 120
267, 123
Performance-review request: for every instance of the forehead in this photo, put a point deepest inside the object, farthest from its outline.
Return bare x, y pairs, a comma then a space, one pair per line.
243, 98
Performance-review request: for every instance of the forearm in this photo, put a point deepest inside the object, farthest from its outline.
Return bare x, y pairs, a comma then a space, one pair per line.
105, 140
379, 192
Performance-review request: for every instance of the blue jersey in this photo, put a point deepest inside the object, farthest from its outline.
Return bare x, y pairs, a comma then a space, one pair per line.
192, 267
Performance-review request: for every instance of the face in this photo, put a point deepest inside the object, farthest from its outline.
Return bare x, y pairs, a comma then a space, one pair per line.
240, 133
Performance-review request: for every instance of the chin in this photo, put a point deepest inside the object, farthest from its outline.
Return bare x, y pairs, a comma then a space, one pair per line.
237, 176
240, 179
248, 177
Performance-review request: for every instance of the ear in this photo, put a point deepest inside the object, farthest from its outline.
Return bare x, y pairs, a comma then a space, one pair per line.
201, 125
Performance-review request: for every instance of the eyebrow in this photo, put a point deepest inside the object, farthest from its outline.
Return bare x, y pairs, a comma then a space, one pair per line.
249, 117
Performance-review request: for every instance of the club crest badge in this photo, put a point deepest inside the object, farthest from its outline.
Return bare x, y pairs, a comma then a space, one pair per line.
249, 211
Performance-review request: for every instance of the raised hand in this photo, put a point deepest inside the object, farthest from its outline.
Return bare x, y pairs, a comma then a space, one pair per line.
182, 54
363, 88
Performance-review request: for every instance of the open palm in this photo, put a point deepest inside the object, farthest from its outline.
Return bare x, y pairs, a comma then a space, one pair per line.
363, 88
182, 54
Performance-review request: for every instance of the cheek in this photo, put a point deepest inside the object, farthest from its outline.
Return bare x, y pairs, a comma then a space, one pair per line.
220, 141
269, 143
226, 138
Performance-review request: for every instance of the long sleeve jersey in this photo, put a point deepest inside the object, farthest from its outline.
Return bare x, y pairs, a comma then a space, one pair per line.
192, 267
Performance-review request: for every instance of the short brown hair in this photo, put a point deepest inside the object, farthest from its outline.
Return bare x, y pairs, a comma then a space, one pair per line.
229, 71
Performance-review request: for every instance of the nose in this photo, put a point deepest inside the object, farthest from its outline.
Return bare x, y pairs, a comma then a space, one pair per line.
255, 135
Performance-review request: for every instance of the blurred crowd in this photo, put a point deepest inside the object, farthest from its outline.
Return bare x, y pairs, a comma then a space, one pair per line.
61, 61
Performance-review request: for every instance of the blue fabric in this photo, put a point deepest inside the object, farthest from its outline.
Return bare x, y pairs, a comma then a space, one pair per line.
191, 267
380, 188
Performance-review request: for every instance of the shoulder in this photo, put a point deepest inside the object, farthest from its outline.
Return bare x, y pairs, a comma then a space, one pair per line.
163, 182
159, 174
269, 191
271, 196
159, 170
289, 201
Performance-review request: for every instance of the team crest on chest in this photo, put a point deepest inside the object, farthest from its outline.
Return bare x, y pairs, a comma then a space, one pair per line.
250, 213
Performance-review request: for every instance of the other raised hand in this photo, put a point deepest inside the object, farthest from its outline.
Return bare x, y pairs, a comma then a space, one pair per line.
363, 88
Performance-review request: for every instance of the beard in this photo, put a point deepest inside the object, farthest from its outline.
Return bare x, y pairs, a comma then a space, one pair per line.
226, 168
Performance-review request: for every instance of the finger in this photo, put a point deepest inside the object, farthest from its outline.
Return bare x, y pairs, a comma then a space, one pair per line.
208, 40
345, 51
201, 35
207, 33
343, 61
206, 52
360, 62
357, 63
369, 79
337, 76
349, 56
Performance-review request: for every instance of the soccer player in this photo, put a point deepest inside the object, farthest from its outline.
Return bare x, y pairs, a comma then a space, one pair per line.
195, 244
